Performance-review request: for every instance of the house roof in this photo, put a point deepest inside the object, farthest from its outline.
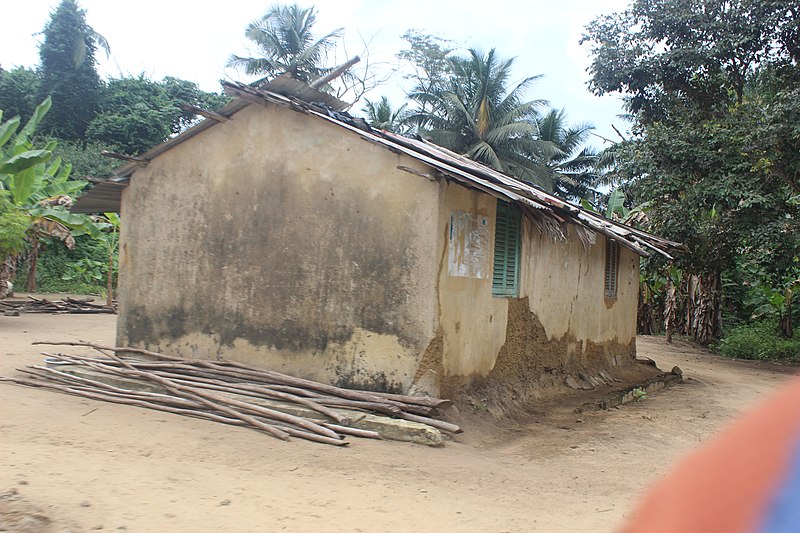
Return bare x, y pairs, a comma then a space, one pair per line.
549, 211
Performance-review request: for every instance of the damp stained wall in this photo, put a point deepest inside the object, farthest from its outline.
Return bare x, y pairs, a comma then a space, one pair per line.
281, 240
563, 282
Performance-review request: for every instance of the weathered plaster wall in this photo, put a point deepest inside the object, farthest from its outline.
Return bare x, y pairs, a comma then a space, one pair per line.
562, 287
564, 282
473, 322
278, 239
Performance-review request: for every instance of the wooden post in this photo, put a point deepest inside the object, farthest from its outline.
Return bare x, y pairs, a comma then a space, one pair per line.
335, 73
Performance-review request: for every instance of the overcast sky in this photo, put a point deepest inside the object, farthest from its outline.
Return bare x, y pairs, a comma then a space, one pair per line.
193, 40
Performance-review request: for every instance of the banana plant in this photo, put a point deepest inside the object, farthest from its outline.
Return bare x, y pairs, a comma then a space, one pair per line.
109, 224
38, 187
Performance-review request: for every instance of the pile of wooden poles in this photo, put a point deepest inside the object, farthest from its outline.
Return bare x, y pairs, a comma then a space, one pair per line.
223, 391
43, 305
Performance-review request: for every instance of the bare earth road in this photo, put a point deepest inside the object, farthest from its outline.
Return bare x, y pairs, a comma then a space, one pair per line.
69, 464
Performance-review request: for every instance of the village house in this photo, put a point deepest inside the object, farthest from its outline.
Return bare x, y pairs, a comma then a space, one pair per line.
283, 233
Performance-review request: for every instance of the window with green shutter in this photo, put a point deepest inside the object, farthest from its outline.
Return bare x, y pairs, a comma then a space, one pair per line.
507, 230
612, 268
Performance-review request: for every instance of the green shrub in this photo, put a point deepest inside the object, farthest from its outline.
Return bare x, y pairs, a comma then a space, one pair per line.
78, 271
759, 340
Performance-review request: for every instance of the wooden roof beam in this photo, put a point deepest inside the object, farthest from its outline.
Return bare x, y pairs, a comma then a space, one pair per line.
123, 157
204, 113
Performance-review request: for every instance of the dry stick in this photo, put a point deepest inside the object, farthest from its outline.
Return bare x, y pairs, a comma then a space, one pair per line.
82, 303
141, 403
259, 392
105, 396
250, 370
77, 382
318, 398
182, 406
263, 411
186, 392
217, 402
370, 406
438, 424
262, 391
293, 431
264, 374
426, 401
319, 401
179, 405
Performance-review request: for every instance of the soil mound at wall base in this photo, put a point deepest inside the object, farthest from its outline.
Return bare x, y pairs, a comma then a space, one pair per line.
532, 370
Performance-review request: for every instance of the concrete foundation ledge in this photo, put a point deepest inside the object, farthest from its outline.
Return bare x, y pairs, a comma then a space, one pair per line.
634, 392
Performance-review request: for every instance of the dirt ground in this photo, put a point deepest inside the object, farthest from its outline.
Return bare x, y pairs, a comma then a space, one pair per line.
73, 465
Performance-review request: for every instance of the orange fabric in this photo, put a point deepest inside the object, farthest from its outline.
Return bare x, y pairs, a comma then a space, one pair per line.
727, 486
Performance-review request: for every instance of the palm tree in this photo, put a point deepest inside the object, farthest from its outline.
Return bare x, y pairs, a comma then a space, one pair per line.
573, 166
475, 114
284, 38
381, 116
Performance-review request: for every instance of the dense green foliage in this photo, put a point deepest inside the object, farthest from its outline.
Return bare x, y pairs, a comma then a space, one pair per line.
18, 89
475, 113
68, 73
130, 114
382, 116
81, 270
35, 190
86, 158
713, 90
13, 225
572, 165
87, 116
468, 104
758, 340
137, 113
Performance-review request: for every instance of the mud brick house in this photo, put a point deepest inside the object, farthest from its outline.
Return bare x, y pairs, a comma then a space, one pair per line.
284, 233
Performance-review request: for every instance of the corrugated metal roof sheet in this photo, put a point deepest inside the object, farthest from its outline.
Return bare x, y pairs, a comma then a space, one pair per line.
454, 166
104, 197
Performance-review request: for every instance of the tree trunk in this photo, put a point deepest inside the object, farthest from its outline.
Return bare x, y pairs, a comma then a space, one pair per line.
109, 279
670, 307
644, 312
30, 285
786, 321
6, 275
704, 308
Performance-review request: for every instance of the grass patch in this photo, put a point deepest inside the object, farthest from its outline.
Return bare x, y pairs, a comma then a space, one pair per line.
759, 340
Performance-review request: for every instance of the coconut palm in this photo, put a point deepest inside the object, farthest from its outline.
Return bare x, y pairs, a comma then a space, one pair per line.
381, 116
475, 114
284, 38
573, 166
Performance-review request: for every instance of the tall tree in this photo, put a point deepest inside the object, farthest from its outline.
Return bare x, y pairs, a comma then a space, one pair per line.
475, 112
137, 113
286, 44
573, 165
68, 72
713, 89
18, 88
427, 56
381, 115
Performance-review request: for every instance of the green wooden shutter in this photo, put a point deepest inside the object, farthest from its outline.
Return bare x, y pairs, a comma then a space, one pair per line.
612, 268
505, 277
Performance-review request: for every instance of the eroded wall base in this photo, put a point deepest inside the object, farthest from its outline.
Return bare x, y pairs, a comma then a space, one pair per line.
530, 365
366, 360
